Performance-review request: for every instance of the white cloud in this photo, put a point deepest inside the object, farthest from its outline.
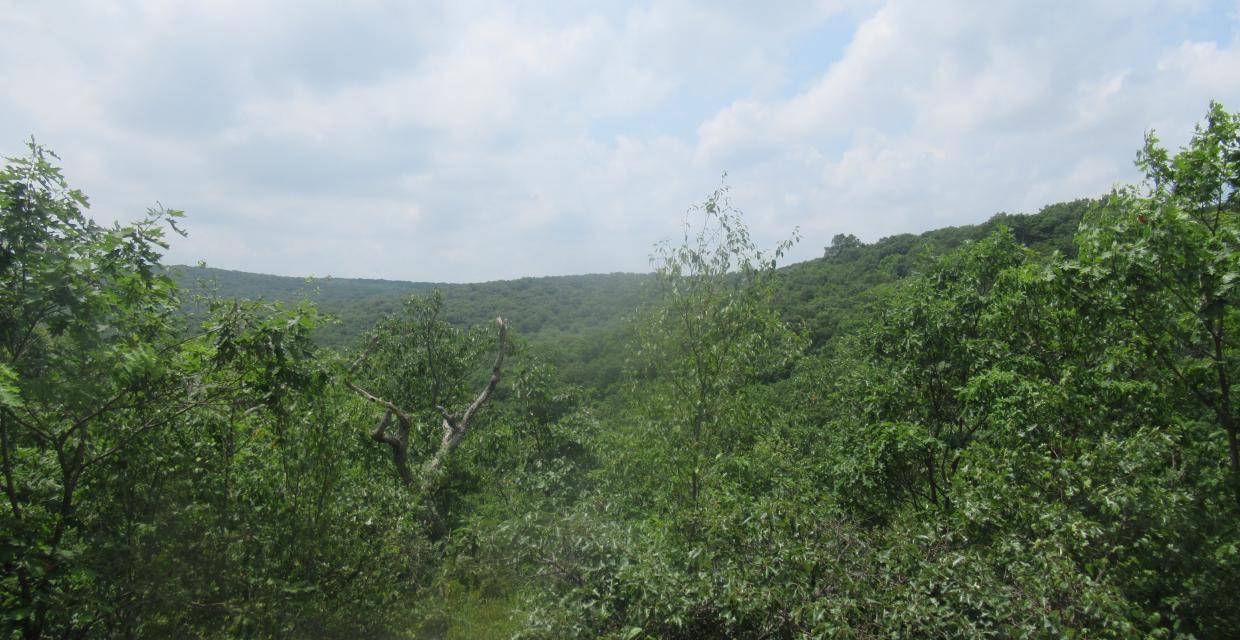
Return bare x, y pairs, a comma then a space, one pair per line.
942, 113
471, 141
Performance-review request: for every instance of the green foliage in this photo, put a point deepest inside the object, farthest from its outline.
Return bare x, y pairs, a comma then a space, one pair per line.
1015, 444
422, 362
710, 332
425, 372
1168, 264
582, 324
159, 484
831, 297
578, 323
245, 520
1020, 429
83, 316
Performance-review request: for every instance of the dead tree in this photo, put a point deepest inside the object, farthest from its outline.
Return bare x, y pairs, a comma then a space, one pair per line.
454, 425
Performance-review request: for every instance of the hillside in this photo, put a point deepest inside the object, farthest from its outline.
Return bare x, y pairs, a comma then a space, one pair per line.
560, 304
571, 312
1021, 428
575, 322
824, 296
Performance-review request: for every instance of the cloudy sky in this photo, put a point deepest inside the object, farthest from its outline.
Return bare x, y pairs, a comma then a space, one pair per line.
467, 141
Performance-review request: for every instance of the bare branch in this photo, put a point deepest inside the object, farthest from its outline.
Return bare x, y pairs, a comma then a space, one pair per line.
380, 432
364, 354
454, 426
495, 372
448, 418
379, 401
454, 429
399, 443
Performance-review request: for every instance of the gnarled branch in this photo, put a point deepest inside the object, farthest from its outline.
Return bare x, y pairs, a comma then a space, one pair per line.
454, 426
399, 442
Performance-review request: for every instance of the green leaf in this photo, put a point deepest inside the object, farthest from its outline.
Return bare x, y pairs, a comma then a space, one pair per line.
10, 395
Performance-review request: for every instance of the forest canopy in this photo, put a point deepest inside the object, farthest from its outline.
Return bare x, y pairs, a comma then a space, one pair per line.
1026, 428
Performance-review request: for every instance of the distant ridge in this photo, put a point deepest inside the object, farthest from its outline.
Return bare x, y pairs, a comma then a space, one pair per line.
823, 296
535, 306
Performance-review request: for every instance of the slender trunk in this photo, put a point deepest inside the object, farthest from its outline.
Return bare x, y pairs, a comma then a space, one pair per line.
1225, 415
1229, 422
10, 490
71, 466
695, 479
1231, 444
1223, 407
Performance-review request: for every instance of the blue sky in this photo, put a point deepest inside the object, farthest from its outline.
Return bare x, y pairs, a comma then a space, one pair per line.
468, 141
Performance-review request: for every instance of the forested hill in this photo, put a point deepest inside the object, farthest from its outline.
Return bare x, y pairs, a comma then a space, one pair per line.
1022, 432
535, 306
822, 295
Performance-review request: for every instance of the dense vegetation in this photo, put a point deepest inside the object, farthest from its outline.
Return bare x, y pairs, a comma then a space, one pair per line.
581, 324
575, 321
1025, 428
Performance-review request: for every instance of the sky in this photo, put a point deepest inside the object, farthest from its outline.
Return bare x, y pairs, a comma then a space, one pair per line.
469, 141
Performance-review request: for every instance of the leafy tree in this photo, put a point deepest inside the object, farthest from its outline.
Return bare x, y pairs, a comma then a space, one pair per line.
840, 244
416, 366
710, 332
244, 520
1168, 263
158, 481
86, 328
903, 402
